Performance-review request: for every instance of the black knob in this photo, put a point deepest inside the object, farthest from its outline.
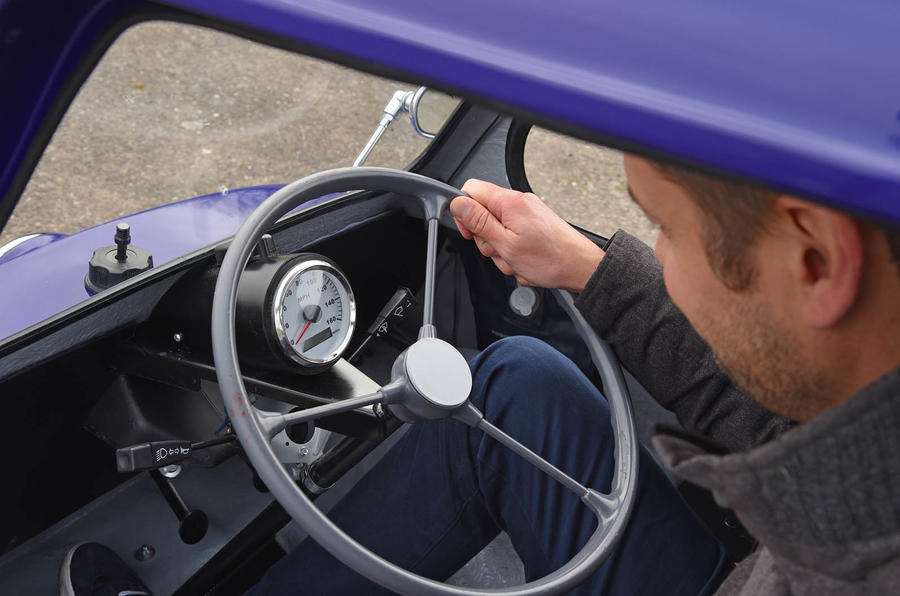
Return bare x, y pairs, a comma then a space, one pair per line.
123, 239
113, 264
192, 527
192, 523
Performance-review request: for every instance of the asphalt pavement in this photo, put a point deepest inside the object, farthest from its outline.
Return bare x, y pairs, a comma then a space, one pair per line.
175, 111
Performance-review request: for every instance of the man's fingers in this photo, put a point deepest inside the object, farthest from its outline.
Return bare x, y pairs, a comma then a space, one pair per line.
494, 198
466, 232
477, 220
484, 247
502, 265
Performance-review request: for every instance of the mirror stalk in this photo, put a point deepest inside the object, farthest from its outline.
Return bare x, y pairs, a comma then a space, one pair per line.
398, 102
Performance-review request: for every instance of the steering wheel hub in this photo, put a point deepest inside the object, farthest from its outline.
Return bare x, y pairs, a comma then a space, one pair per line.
438, 372
429, 381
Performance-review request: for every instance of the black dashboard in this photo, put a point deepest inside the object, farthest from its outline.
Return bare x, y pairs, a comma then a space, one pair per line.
145, 376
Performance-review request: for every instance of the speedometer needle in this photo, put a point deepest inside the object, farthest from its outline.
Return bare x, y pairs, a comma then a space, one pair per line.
302, 332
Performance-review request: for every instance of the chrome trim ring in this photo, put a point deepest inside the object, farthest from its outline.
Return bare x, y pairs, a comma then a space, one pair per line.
277, 300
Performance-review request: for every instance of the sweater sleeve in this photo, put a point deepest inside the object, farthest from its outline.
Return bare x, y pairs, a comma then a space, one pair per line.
626, 302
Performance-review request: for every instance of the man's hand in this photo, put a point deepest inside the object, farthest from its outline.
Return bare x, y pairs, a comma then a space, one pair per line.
524, 237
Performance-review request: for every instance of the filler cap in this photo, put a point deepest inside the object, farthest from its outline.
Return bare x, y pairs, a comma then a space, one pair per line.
113, 264
525, 302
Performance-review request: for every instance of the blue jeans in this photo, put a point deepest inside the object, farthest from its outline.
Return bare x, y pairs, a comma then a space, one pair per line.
446, 490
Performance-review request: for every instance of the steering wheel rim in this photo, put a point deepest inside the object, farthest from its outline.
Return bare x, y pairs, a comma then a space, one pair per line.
255, 428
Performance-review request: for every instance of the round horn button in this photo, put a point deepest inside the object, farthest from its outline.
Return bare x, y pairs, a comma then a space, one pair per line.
439, 372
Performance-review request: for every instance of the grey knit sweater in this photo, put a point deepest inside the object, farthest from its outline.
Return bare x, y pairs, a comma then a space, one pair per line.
822, 498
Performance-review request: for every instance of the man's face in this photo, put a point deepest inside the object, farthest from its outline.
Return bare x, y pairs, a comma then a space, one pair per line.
749, 335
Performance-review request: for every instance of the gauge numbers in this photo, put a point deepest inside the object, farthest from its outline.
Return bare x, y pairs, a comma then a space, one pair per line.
314, 312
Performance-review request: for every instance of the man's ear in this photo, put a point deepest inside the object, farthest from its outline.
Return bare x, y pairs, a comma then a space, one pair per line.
826, 259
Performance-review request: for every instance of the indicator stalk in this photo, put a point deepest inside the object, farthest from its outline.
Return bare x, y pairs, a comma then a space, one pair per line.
155, 454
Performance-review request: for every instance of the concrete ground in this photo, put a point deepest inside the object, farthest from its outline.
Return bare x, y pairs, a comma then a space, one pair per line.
175, 111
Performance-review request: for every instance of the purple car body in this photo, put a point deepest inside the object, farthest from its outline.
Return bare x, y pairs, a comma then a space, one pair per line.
51, 274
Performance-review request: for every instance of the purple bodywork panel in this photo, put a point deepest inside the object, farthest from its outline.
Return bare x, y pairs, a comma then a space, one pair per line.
29, 245
801, 95
40, 283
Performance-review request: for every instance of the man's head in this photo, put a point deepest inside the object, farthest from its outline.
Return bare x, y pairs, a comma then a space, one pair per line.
799, 301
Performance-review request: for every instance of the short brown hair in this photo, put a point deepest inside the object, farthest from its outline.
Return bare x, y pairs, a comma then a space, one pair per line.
734, 215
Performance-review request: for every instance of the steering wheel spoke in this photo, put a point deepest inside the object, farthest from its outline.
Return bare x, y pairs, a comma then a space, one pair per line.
428, 329
273, 423
600, 503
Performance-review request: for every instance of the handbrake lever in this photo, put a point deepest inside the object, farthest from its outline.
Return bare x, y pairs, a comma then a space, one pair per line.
192, 523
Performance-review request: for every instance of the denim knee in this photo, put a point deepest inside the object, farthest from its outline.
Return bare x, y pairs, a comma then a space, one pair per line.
516, 366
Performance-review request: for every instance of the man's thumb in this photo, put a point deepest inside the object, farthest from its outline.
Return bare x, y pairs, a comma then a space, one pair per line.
478, 220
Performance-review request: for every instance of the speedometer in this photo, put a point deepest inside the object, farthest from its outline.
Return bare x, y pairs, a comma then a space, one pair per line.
314, 312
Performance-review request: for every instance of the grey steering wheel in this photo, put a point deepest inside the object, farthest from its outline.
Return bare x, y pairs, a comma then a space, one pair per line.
430, 380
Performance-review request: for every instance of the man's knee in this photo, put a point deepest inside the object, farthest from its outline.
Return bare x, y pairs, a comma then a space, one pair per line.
519, 355
515, 367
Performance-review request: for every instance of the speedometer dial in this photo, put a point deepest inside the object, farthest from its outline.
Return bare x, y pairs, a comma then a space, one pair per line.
314, 312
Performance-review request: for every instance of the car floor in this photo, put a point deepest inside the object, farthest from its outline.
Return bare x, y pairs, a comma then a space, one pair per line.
135, 514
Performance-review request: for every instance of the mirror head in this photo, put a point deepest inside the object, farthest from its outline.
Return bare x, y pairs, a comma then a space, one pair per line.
429, 109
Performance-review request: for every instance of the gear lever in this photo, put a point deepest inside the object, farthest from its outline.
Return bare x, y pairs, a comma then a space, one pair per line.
192, 523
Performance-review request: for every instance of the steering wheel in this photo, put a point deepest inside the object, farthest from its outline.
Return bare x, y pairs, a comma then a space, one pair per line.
430, 380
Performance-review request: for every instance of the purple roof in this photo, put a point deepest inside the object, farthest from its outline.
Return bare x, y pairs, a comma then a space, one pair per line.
803, 95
